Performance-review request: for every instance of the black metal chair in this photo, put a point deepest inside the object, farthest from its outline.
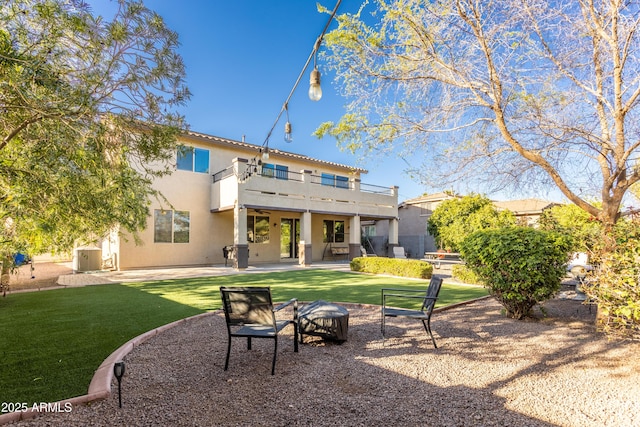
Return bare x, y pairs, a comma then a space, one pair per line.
401, 296
249, 313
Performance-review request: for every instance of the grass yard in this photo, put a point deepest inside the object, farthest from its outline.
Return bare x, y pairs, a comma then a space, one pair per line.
52, 341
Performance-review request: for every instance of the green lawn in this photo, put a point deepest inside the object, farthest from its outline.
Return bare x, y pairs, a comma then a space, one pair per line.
52, 341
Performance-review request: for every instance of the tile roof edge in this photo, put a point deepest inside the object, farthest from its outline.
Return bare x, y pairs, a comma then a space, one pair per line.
248, 146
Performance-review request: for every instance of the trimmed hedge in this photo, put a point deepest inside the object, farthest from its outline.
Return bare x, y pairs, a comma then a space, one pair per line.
393, 266
462, 273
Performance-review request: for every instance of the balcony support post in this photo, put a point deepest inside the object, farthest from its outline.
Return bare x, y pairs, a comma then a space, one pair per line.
354, 237
393, 236
305, 251
240, 244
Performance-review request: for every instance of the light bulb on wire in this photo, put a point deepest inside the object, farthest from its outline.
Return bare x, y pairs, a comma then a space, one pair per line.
315, 91
287, 132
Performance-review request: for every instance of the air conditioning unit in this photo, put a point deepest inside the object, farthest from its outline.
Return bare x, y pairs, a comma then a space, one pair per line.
87, 259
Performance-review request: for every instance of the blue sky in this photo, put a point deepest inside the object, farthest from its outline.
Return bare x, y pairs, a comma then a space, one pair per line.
243, 58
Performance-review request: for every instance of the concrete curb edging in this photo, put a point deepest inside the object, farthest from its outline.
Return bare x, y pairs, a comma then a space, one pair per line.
100, 386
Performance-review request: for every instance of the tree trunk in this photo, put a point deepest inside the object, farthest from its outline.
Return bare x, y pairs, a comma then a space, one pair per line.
5, 277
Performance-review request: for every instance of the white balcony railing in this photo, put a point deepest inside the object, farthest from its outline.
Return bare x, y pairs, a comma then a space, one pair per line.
300, 191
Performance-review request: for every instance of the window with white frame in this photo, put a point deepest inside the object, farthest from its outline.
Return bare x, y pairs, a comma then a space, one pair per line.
192, 159
171, 226
335, 180
369, 230
275, 171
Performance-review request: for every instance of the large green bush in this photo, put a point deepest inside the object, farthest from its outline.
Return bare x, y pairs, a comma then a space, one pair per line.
615, 284
521, 266
395, 267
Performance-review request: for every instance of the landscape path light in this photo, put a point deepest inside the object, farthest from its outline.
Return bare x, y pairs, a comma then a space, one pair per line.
118, 371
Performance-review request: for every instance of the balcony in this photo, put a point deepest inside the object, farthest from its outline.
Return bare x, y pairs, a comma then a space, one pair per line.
300, 192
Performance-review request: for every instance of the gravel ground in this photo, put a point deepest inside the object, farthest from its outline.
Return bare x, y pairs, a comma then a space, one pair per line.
487, 371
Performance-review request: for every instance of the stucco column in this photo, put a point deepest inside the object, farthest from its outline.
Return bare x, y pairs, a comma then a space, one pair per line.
354, 237
393, 236
240, 245
304, 248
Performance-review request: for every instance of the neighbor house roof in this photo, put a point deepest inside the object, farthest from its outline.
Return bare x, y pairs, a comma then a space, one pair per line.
429, 198
272, 151
525, 206
519, 207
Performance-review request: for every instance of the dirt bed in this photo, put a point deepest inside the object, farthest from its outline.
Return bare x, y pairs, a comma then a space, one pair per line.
40, 275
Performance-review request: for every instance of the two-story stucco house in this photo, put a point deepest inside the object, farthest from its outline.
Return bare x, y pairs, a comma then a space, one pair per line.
280, 207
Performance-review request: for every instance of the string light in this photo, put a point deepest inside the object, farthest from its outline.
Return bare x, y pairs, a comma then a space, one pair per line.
314, 89
287, 127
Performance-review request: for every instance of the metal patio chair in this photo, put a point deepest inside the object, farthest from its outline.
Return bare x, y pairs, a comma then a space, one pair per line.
249, 313
429, 297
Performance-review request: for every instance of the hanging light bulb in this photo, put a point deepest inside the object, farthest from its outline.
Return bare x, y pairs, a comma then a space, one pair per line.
265, 153
287, 132
315, 91
287, 126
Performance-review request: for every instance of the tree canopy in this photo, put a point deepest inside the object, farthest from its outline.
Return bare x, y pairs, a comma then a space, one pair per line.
514, 94
572, 221
89, 114
455, 219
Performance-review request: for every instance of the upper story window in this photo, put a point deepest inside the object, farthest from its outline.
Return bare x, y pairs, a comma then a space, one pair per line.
335, 180
193, 159
425, 209
277, 171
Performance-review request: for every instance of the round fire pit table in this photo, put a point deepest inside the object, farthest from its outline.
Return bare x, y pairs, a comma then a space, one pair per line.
323, 319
